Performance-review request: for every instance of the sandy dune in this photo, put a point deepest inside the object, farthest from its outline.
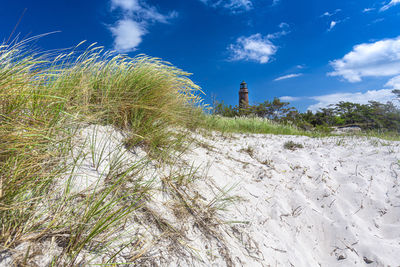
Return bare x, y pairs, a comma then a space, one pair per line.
333, 202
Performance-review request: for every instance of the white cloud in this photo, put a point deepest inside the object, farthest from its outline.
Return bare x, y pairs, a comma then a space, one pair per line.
392, 3
289, 76
366, 10
233, 5
383, 96
127, 35
253, 48
275, 2
141, 11
284, 25
277, 34
381, 58
332, 25
290, 98
129, 30
257, 47
376, 21
127, 5
328, 14
394, 83
331, 16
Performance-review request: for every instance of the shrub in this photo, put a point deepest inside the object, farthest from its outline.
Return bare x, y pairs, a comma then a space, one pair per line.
292, 145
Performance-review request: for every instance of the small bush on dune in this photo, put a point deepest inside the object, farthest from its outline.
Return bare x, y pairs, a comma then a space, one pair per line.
292, 145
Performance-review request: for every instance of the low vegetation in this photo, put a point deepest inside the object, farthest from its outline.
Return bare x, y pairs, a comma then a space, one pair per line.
251, 125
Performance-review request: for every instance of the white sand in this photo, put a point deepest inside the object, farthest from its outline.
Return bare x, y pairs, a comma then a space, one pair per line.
334, 202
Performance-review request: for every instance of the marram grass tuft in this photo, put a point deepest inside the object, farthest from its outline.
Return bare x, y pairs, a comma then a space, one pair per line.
45, 98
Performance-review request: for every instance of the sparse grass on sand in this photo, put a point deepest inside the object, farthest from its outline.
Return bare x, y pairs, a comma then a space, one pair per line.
389, 136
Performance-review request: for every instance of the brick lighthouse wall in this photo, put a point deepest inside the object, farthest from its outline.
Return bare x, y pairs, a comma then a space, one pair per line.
243, 95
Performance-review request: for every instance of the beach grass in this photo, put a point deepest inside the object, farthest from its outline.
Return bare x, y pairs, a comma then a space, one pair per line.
44, 100
251, 125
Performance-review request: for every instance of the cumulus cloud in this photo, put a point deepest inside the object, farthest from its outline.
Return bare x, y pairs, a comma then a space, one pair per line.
232, 5
381, 58
257, 47
127, 35
289, 76
392, 3
253, 48
383, 96
137, 15
394, 83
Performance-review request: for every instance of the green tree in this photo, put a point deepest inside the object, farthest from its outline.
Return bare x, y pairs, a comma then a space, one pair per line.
219, 108
397, 93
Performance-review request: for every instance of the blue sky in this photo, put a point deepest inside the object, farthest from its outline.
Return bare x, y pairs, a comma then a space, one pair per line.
310, 53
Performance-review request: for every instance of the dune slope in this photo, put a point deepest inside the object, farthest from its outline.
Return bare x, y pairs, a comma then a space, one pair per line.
252, 200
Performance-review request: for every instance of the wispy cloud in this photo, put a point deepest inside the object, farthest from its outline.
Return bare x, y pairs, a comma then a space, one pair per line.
332, 25
126, 5
376, 21
278, 34
378, 59
253, 48
333, 19
392, 3
137, 15
289, 76
383, 96
283, 25
394, 83
366, 10
330, 14
275, 2
290, 98
232, 5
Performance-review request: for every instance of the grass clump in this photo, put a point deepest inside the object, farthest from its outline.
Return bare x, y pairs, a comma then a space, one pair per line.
292, 145
44, 101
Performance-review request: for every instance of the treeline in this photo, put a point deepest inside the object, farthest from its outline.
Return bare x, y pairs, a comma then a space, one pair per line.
371, 116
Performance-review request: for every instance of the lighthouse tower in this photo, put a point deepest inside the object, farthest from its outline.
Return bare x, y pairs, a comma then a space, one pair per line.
243, 95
